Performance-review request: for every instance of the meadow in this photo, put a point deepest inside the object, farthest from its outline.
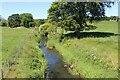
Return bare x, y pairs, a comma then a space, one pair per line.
20, 46
11, 38
95, 54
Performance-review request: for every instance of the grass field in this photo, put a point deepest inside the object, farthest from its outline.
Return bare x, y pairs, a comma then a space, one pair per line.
92, 57
23, 43
11, 39
0, 50
106, 26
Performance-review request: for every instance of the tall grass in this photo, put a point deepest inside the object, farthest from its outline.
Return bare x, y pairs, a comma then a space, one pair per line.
92, 57
11, 39
29, 61
0, 50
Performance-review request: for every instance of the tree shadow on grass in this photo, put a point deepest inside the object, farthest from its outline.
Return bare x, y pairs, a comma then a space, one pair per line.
90, 35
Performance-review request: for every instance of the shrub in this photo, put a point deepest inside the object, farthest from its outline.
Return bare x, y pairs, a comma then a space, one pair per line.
39, 22
31, 24
51, 31
3, 23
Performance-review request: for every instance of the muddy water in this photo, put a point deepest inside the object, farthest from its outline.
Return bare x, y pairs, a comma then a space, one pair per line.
55, 67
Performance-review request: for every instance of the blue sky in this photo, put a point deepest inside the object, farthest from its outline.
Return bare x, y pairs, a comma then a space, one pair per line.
38, 9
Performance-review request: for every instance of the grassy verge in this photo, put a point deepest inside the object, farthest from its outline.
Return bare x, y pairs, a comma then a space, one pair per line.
92, 57
29, 61
11, 39
0, 51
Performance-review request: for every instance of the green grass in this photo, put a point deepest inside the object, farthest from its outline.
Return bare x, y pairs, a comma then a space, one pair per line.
106, 26
92, 57
0, 50
29, 60
11, 38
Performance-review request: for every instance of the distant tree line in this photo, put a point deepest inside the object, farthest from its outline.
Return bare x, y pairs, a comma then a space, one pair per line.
24, 19
115, 18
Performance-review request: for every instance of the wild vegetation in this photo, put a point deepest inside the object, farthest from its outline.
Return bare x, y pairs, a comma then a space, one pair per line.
73, 16
24, 20
95, 55
24, 56
82, 34
3, 23
14, 20
11, 37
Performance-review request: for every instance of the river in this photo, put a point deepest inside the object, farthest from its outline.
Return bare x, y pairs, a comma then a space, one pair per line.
55, 67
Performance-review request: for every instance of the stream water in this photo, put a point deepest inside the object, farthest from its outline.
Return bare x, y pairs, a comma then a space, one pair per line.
55, 67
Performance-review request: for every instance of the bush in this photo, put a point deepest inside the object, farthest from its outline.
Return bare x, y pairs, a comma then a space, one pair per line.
51, 31
47, 28
31, 24
39, 22
3, 23
43, 28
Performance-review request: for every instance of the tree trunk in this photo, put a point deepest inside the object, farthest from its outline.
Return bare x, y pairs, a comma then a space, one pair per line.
77, 33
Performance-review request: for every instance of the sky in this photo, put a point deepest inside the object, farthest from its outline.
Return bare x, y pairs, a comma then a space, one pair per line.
38, 9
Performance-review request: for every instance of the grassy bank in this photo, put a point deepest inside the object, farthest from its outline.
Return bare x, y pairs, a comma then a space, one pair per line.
11, 38
92, 57
29, 60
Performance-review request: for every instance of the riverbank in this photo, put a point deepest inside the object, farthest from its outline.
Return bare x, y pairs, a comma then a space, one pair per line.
56, 67
29, 61
92, 57
11, 39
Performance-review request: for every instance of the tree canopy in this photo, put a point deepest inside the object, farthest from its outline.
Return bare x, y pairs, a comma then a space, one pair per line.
26, 18
14, 20
73, 16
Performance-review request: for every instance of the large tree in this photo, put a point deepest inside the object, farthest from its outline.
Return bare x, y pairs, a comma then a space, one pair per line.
14, 20
26, 18
73, 16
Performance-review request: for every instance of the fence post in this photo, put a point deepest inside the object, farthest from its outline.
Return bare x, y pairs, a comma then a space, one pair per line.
9, 65
2, 74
